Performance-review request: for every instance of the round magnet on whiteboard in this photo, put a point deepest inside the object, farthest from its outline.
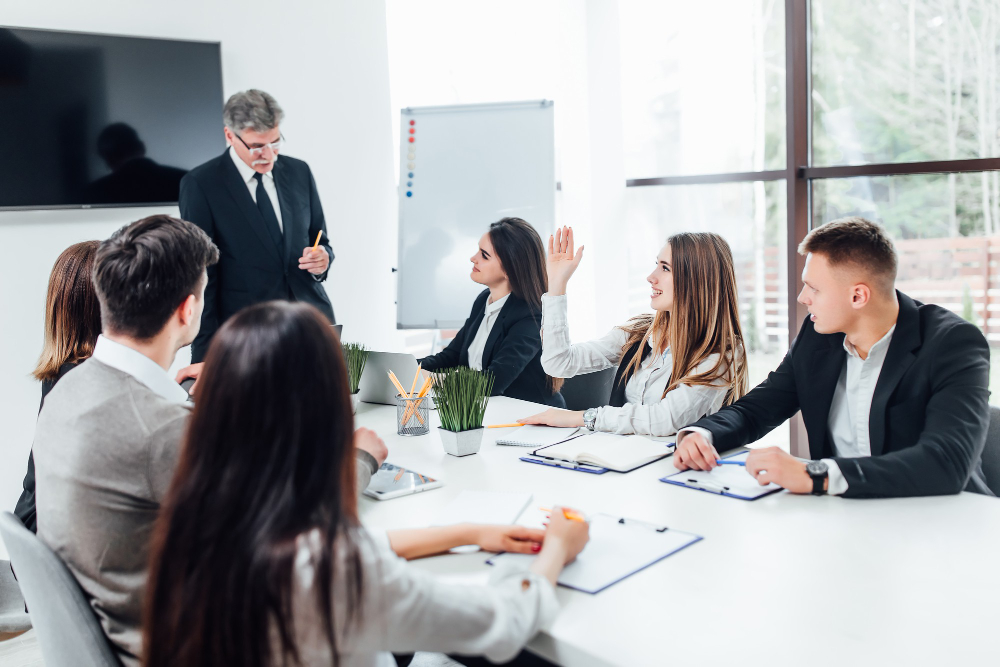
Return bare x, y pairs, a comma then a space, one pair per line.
411, 156
411, 140
412, 131
413, 122
410, 175
409, 165
409, 184
409, 194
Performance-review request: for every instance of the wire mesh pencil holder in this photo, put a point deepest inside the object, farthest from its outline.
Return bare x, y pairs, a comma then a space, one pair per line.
412, 415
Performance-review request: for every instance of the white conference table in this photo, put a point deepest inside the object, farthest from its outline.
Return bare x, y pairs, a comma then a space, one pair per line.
781, 580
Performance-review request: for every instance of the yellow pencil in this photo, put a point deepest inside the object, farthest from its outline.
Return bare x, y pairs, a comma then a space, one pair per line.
569, 514
416, 377
318, 235
402, 392
503, 425
413, 406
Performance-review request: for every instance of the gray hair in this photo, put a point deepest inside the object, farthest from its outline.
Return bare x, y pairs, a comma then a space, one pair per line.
252, 109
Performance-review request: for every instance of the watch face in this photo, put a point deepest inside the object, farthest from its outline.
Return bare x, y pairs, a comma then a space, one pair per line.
591, 413
816, 468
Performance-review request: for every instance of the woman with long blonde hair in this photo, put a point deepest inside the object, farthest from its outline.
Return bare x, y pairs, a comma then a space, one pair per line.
675, 366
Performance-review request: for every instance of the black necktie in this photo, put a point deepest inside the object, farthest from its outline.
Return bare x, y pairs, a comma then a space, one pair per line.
267, 210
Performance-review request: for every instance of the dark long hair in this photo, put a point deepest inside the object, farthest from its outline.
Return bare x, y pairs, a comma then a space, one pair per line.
522, 256
268, 456
72, 311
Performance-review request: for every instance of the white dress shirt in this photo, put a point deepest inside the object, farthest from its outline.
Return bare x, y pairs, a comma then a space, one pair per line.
478, 344
139, 366
247, 172
406, 609
850, 409
646, 411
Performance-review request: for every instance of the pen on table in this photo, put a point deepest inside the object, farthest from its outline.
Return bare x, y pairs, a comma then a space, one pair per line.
727, 462
318, 235
503, 425
569, 514
695, 484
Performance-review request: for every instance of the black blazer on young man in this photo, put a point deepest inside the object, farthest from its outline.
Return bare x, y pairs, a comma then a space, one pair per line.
929, 415
513, 351
253, 265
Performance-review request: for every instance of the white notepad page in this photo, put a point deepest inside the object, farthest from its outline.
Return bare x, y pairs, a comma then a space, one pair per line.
614, 552
492, 507
617, 452
737, 478
533, 435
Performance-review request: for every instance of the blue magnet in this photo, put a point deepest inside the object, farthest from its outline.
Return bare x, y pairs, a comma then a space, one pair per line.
409, 184
409, 194
410, 175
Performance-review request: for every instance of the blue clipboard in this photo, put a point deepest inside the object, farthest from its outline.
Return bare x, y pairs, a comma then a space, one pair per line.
565, 465
683, 480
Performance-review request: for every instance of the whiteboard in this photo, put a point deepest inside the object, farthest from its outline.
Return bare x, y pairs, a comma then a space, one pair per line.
467, 166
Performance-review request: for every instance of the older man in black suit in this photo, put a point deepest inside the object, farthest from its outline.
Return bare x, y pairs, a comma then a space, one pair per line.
263, 213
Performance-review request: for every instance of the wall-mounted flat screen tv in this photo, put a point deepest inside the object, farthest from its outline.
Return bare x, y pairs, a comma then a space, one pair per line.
98, 120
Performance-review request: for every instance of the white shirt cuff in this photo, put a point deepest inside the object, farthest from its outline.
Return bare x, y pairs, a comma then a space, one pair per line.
837, 484
705, 433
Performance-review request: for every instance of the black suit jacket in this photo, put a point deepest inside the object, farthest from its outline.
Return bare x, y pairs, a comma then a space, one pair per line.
252, 268
513, 351
928, 418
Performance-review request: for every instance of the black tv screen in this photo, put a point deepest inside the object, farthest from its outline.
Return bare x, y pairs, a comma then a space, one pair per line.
100, 120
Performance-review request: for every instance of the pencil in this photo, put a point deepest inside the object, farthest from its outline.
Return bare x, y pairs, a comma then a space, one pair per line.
402, 392
413, 406
416, 377
318, 235
503, 425
569, 514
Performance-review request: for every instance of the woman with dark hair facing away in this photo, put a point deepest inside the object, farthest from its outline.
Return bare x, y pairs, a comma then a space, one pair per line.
72, 325
684, 361
258, 555
501, 334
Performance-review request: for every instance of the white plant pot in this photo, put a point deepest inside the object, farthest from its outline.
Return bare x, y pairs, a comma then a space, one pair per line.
354, 403
461, 443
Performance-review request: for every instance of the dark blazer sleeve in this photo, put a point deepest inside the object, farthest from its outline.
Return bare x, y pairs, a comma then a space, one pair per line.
449, 356
955, 424
768, 405
194, 208
317, 222
521, 343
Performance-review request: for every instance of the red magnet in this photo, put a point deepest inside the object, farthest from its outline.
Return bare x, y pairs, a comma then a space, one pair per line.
413, 122
412, 131
411, 140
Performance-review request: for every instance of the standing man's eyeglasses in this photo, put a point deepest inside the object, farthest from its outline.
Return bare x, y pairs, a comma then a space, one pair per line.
257, 151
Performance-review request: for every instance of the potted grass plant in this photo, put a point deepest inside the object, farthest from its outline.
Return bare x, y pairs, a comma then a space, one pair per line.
461, 395
356, 356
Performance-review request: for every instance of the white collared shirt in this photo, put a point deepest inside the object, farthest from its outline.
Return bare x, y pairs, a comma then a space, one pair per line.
139, 366
851, 407
247, 172
646, 411
478, 344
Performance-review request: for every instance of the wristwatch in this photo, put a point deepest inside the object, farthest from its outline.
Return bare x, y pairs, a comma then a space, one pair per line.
818, 471
590, 418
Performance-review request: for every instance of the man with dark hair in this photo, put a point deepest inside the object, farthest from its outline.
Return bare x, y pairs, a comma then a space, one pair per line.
893, 392
109, 435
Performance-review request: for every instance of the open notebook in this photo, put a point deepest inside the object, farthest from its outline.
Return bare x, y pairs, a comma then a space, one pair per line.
532, 435
621, 453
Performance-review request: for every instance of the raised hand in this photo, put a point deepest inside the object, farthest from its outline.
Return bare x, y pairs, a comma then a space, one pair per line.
562, 261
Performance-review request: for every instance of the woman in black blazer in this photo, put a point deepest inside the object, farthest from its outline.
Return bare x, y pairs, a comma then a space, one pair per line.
72, 324
502, 334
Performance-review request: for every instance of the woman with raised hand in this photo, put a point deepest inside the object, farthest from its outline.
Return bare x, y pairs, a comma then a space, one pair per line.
675, 366
501, 334
259, 557
72, 325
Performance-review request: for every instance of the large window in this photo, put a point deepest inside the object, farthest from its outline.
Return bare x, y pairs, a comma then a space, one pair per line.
888, 109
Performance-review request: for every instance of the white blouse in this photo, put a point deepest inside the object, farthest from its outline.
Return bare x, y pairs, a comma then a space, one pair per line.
478, 344
406, 609
646, 411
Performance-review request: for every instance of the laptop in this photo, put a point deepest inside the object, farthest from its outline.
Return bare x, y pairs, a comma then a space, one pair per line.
339, 328
375, 385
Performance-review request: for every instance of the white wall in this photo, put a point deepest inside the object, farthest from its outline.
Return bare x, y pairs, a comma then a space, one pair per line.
326, 63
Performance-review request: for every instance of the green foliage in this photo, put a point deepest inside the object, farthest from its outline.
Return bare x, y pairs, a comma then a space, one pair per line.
967, 308
461, 395
356, 355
